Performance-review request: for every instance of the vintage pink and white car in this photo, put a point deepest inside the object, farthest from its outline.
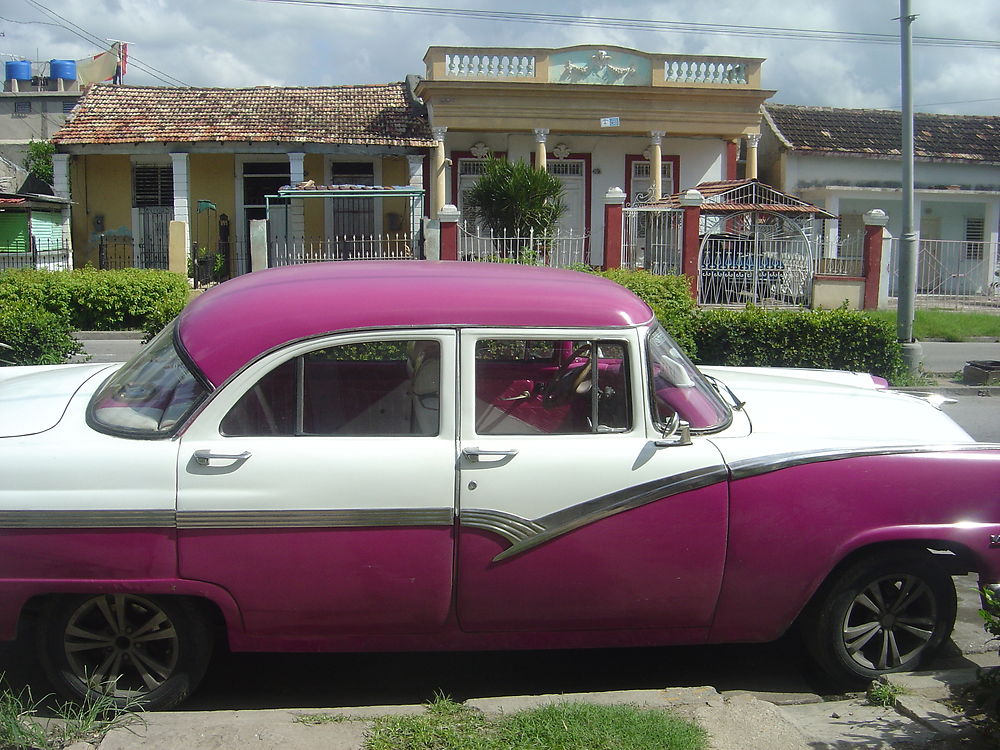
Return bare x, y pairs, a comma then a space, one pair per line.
420, 455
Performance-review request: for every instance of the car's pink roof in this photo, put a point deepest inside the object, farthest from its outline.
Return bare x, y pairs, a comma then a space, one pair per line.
236, 322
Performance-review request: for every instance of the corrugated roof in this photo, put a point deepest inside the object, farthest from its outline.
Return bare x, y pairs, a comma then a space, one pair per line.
746, 195
877, 132
371, 115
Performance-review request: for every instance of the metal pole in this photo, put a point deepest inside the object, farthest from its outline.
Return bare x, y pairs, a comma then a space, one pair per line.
907, 279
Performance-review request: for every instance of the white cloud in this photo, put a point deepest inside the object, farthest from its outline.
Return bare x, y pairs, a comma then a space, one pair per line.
246, 43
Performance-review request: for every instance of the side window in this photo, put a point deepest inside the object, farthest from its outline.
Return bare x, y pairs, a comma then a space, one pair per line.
528, 387
374, 388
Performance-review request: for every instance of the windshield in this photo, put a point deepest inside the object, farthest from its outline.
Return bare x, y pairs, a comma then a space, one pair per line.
150, 395
676, 387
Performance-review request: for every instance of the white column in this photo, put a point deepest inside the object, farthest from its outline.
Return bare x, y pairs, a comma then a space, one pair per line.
60, 185
832, 227
296, 209
541, 156
656, 162
415, 169
753, 139
438, 183
991, 252
182, 201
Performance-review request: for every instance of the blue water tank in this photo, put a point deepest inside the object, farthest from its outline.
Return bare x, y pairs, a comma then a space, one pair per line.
17, 70
65, 69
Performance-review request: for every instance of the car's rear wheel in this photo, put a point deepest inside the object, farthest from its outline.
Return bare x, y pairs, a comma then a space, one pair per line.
884, 613
137, 650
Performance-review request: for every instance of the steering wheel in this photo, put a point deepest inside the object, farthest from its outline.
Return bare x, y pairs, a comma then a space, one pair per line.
568, 379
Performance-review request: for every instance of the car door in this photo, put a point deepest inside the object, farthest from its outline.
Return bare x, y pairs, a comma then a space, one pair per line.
318, 487
572, 516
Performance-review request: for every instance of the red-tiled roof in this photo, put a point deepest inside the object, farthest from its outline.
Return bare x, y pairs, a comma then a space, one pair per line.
375, 115
877, 132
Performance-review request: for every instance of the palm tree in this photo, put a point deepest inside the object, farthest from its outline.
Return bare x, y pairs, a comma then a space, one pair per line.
515, 200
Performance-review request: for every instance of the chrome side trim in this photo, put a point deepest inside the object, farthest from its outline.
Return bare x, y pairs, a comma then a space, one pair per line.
524, 534
224, 519
304, 519
86, 519
511, 527
751, 467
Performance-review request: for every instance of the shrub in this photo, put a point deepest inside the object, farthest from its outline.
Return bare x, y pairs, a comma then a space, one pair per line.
838, 339
33, 336
669, 296
89, 299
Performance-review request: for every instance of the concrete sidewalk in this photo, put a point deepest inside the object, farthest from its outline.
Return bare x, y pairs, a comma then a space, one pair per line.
734, 721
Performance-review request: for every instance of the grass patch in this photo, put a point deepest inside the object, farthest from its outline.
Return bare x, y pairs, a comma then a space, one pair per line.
883, 694
947, 325
316, 720
24, 723
563, 726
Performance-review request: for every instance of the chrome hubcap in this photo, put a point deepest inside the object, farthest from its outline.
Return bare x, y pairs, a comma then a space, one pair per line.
889, 622
121, 644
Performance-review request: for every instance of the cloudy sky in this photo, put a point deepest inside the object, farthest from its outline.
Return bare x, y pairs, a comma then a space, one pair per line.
264, 42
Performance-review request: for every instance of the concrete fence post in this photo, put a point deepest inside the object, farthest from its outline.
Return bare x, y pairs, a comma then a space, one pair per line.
177, 251
448, 217
875, 222
614, 201
258, 244
691, 241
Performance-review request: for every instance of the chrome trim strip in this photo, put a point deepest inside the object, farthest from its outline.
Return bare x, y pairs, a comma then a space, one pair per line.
524, 534
225, 519
511, 527
86, 519
751, 467
302, 519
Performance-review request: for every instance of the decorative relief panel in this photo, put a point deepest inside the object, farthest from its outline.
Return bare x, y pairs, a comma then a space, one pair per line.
600, 67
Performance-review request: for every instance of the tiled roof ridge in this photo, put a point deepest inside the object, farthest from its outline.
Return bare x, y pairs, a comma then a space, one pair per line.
259, 87
874, 110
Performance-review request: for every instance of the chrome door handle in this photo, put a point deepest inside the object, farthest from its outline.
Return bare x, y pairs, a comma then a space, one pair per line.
204, 456
474, 453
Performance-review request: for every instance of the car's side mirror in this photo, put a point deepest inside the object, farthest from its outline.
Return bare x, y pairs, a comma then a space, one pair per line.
675, 432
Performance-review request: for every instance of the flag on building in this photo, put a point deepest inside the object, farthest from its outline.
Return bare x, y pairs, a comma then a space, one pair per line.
105, 66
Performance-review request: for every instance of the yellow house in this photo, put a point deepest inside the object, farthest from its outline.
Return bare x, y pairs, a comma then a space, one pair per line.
598, 117
133, 159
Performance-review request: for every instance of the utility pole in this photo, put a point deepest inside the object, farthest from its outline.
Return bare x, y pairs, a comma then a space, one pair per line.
906, 281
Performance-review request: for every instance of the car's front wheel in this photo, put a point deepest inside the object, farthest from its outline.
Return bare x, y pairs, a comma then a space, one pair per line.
140, 651
884, 613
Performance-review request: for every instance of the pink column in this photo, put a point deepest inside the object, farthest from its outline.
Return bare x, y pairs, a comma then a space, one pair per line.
448, 217
691, 242
613, 201
875, 221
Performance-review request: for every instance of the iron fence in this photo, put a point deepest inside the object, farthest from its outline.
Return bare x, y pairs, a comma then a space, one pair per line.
736, 270
652, 239
115, 252
344, 247
42, 255
558, 250
952, 274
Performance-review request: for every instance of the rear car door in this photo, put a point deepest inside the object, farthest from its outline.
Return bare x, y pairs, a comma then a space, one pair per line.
318, 487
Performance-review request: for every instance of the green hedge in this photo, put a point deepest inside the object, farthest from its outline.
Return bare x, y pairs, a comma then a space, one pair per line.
88, 299
838, 339
669, 296
30, 335
830, 339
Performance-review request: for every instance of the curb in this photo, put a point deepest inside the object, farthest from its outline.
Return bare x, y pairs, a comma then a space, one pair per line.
109, 335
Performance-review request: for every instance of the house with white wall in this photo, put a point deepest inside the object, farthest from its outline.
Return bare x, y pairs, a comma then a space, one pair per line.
848, 161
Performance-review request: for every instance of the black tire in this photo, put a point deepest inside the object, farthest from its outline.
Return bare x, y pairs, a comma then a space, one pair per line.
885, 613
142, 651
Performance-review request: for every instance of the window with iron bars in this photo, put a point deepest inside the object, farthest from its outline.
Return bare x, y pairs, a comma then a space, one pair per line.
974, 238
152, 185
